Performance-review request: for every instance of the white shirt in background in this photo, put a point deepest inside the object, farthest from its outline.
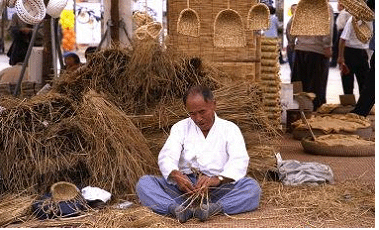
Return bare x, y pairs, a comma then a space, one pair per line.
223, 152
348, 34
342, 18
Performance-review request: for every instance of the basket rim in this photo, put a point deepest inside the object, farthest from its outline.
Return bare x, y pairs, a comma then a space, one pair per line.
69, 196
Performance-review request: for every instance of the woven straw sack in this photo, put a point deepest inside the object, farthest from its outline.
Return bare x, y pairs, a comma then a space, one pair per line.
141, 18
64, 191
357, 150
358, 9
269, 41
311, 18
188, 22
154, 29
10, 3
229, 30
362, 30
31, 11
55, 7
258, 17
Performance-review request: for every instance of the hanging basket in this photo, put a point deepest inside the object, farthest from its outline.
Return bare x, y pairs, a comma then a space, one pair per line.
229, 30
188, 23
31, 11
55, 7
362, 30
358, 9
339, 145
141, 33
258, 17
312, 18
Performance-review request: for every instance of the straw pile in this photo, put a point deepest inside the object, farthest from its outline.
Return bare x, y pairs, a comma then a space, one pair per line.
135, 217
14, 207
50, 138
345, 201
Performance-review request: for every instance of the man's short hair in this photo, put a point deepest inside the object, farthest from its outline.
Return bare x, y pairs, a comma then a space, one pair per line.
199, 90
74, 56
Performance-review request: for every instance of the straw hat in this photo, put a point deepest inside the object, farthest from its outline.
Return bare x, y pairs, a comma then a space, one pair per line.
311, 18
153, 29
141, 18
258, 17
358, 9
188, 23
362, 30
31, 11
55, 7
229, 30
64, 191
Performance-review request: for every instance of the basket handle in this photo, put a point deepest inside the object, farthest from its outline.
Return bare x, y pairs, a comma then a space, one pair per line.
187, 3
228, 4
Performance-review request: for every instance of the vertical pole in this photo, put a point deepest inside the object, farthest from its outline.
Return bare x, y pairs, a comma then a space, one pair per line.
115, 18
258, 55
53, 46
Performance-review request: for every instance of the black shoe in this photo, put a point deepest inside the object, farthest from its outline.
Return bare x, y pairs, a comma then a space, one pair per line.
180, 213
205, 211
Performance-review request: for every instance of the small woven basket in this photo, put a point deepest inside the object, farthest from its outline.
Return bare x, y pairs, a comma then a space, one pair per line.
64, 191
188, 22
228, 29
31, 11
311, 18
258, 17
358, 150
358, 9
141, 18
154, 29
141, 33
362, 30
55, 7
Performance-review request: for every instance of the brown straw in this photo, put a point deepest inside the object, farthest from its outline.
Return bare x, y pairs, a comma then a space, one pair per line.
311, 18
188, 22
358, 9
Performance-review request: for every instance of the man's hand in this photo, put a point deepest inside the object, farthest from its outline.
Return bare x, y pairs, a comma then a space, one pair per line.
328, 52
183, 182
204, 182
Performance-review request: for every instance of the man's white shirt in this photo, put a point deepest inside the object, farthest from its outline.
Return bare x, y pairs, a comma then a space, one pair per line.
348, 34
222, 152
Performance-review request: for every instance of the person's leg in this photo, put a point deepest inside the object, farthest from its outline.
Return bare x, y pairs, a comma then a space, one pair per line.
362, 68
243, 196
367, 98
155, 193
296, 71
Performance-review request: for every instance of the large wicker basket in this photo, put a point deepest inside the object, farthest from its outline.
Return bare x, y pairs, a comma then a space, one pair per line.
188, 22
362, 30
313, 147
358, 9
229, 30
258, 17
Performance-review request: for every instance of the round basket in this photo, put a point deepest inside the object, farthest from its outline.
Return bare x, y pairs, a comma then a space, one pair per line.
11, 3
55, 7
362, 30
258, 17
357, 150
31, 11
188, 22
358, 9
141, 18
311, 18
229, 30
64, 191
154, 29
300, 133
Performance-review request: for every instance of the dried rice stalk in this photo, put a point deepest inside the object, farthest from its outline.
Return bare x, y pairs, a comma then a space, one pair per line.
13, 207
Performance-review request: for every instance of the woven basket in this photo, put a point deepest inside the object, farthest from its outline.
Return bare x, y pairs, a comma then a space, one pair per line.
300, 133
362, 30
312, 18
64, 191
269, 62
11, 3
188, 22
154, 29
228, 29
313, 147
55, 7
31, 11
358, 9
258, 17
141, 18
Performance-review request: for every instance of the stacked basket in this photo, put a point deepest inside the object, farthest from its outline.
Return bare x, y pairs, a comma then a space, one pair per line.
270, 80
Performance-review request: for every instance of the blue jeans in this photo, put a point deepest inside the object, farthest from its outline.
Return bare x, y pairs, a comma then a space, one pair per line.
241, 196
